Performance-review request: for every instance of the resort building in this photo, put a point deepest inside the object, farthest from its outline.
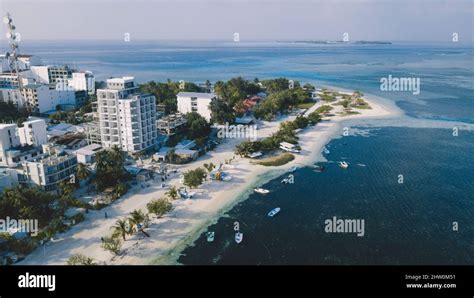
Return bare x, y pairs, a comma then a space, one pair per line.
39, 98
86, 155
33, 132
8, 139
48, 169
195, 102
127, 118
171, 124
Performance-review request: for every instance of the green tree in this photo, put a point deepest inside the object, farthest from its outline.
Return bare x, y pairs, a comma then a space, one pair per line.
139, 220
78, 259
172, 193
109, 168
221, 111
121, 228
159, 207
194, 178
82, 171
112, 244
197, 126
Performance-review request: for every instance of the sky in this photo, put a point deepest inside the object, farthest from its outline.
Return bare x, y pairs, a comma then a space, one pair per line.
391, 20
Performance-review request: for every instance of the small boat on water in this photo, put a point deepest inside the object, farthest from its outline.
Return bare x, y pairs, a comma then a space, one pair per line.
361, 165
326, 151
261, 190
273, 212
293, 169
343, 164
318, 168
239, 237
285, 181
210, 236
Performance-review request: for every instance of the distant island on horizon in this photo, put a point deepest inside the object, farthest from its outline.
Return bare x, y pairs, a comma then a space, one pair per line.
336, 41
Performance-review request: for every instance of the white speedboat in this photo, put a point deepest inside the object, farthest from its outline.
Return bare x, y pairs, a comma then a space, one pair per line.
285, 181
326, 151
239, 237
210, 236
274, 212
293, 169
343, 164
261, 190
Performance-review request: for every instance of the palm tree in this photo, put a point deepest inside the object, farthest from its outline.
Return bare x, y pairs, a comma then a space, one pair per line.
121, 228
138, 218
172, 193
82, 171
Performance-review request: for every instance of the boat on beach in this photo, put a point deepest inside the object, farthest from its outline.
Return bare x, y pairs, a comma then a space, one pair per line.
261, 190
343, 164
293, 169
273, 212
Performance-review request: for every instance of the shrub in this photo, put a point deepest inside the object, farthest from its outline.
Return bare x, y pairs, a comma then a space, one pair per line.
159, 207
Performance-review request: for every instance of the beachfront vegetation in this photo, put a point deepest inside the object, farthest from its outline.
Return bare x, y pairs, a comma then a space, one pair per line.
209, 166
22, 202
78, 259
112, 244
165, 93
277, 160
221, 111
197, 127
109, 168
280, 102
194, 178
10, 113
121, 229
139, 221
159, 207
324, 109
172, 193
313, 118
82, 172
235, 90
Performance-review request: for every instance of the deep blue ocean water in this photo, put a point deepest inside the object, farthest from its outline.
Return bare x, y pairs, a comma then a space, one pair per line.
405, 224
446, 70
409, 223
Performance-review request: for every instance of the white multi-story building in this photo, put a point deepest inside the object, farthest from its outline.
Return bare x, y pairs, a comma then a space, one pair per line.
33, 132
127, 118
48, 169
39, 98
63, 78
8, 139
195, 102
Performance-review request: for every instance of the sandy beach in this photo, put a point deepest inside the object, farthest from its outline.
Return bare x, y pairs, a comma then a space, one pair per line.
189, 218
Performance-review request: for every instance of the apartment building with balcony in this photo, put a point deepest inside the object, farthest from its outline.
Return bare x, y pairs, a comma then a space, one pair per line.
127, 118
48, 169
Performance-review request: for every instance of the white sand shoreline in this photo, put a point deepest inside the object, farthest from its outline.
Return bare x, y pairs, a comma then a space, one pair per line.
189, 218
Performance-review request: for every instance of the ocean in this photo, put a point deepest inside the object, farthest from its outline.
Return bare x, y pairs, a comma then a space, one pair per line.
405, 223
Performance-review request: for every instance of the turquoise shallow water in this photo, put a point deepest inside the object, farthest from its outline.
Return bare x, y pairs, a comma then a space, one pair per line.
409, 223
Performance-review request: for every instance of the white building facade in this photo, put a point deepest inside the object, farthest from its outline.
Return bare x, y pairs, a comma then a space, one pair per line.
127, 118
33, 132
195, 102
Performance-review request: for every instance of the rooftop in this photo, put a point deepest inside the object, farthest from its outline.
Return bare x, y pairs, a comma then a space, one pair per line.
196, 94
